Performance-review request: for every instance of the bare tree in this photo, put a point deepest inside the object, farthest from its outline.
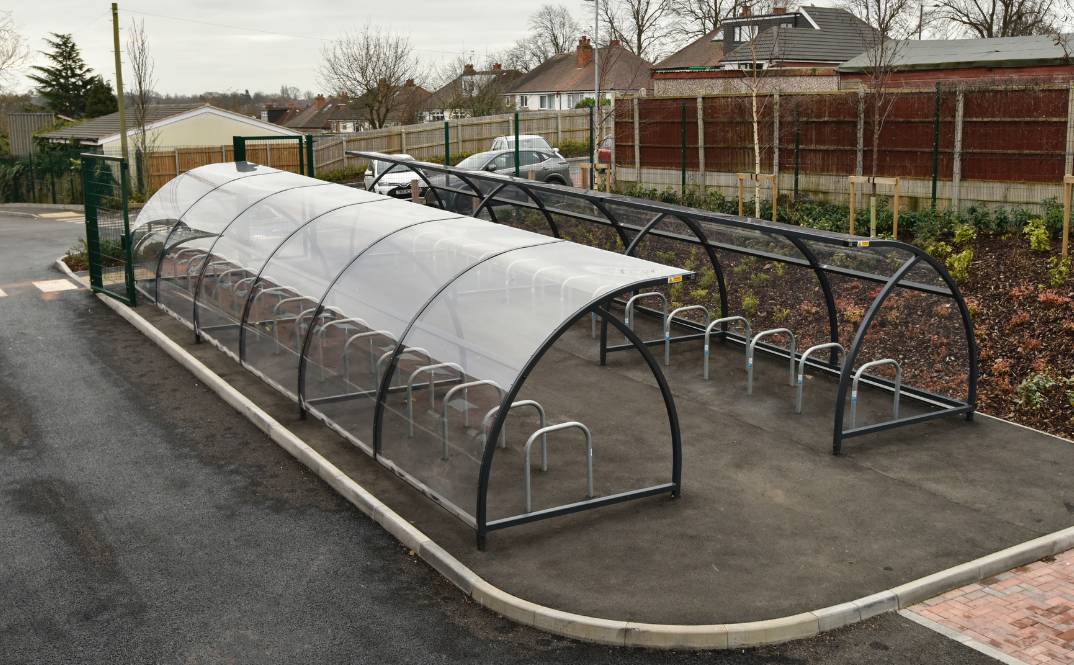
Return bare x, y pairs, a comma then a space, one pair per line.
140, 92
371, 66
891, 21
644, 26
13, 50
553, 31
1004, 18
697, 18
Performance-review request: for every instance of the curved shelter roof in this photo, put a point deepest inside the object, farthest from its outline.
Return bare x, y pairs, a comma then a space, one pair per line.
345, 300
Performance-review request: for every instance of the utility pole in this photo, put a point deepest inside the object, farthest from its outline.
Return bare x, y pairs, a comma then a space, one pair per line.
119, 83
596, 69
920, 19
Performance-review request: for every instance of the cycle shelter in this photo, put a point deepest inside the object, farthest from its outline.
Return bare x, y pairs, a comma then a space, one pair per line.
871, 317
429, 339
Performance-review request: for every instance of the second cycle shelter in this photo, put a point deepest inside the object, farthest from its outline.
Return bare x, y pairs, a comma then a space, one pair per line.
415, 332
880, 316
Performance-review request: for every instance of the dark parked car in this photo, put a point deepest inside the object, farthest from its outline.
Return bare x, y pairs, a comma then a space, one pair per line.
543, 165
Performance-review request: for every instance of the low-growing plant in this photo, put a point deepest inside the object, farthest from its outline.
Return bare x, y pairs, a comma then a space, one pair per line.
750, 304
1019, 319
959, 265
1053, 299
1058, 270
574, 148
1030, 392
964, 234
759, 279
1001, 366
697, 295
349, 174
781, 314
939, 249
706, 278
1036, 232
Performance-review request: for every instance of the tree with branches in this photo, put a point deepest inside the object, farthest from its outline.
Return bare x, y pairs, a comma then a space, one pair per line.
553, 31
891, 23
65, 81
140, 96
1003, 18
697, 18
372, 67
13, 51
644, 26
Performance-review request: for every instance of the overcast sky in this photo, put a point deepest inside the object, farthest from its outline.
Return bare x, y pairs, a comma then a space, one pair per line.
225, 46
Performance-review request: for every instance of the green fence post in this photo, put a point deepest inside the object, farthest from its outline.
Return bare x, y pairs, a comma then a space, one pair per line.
516, 143
682, 151
301, 156
310, 171
128, 250
89, 208
447, 143
592, 156
936, 148
238, 148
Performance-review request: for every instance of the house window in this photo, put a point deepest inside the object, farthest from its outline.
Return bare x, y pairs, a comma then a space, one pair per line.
574, 98
547, 101
523, 101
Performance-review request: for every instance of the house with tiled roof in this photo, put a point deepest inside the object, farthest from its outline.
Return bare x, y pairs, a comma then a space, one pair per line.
562, 81
168, 125
342, 114
790, 50
479, 90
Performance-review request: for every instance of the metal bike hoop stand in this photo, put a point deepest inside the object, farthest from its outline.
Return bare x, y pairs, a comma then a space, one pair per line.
219, 278
628, 317
753, 344
486, 422
719, 322
857, 378
349, 322
667, 327
431, 369
276, 319
414, 350
544, 431
350, 340
465, 388
801, 369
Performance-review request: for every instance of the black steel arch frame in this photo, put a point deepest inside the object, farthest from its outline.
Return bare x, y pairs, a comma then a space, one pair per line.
300, 391
179, 221
721, 283
248, 302
799, 238
201, 274
673, 488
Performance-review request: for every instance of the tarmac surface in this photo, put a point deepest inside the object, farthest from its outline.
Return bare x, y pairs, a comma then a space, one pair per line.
146, 521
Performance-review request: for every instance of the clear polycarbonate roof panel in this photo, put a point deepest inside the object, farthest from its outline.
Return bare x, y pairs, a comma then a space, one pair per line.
186, 250
249, 241
485, 327
384, 289
166, 207
305, 265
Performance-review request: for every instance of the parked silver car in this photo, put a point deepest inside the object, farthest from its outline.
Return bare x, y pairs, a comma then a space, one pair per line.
540, 165
392, 179
525, 142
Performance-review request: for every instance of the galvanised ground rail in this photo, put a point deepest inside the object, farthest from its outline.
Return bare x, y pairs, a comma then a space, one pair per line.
265, 264
482, 191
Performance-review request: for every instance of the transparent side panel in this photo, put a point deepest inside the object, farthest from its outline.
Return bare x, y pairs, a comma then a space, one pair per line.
245, 246
305, 265
165, 208
484, 328
186, 252
382, 292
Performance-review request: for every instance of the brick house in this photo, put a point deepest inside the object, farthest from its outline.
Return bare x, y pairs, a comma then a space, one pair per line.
785, 50
562, 81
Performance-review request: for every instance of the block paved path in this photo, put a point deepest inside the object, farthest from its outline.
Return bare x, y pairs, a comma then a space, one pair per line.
1027, 613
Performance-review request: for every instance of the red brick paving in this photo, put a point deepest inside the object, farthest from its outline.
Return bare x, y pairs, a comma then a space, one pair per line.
1027, 612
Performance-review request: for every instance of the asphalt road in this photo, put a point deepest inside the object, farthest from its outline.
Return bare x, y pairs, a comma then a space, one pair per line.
143, 520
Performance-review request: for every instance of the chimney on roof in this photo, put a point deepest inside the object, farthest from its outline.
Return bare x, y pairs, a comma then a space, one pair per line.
779, 7
746, 12
584, 54
410, 83
497, 67
344, 97
468, 70
615, 43
319, 102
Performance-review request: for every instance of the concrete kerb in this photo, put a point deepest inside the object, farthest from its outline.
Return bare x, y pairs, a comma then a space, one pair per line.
593, 629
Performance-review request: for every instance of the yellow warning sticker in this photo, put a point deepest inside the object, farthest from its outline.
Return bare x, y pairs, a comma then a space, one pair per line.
863, 243
675, 279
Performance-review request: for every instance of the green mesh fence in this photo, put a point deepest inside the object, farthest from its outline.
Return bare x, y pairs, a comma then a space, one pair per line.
105, 182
